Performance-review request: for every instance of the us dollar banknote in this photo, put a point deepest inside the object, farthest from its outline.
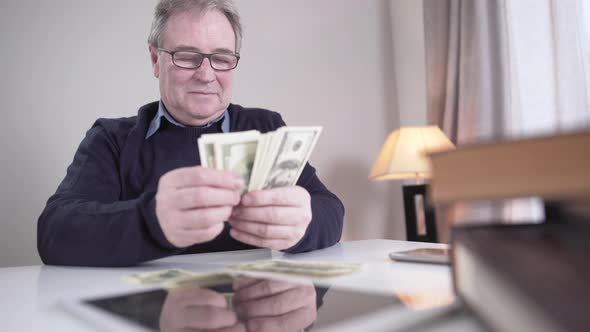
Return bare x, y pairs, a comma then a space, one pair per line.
303, 268
178, 278
236, 152
293, 148
158, 277
206, 144
273, 159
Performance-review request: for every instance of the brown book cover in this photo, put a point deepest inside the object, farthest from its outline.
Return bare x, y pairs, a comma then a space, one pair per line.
551, 167
525, 277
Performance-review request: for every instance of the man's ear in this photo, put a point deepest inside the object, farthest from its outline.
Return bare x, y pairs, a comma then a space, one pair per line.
155, 61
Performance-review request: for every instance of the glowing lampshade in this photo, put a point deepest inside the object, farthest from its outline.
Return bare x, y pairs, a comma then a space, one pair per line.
404, 153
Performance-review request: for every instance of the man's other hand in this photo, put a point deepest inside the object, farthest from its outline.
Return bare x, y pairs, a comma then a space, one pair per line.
273, 218
193, 202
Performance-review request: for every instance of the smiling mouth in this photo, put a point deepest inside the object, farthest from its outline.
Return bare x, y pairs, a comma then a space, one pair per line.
201, 93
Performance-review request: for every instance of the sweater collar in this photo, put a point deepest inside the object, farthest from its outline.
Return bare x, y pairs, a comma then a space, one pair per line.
156, 122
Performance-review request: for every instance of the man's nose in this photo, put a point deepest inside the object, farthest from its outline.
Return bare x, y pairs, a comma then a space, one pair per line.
205, 72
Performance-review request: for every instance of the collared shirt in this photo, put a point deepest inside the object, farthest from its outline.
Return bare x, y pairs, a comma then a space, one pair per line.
162, 112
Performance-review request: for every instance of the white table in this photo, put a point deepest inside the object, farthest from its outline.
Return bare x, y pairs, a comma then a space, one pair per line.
30, 295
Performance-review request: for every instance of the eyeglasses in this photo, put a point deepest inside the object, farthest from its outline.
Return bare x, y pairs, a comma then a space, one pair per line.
193, 60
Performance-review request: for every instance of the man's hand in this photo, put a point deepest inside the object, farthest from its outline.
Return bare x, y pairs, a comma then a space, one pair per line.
193, 202
274, 218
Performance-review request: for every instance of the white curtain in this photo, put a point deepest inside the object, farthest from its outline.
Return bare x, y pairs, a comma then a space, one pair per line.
548, 46
507, 69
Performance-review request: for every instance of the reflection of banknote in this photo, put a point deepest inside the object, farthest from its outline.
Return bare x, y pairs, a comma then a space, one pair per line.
274, 159
174, 278
312, 269
157, 277
229, 299
200, 280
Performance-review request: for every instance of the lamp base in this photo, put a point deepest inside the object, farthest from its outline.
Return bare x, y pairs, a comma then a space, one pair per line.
412, 234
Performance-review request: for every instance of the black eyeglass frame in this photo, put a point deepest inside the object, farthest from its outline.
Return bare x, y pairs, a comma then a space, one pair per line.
204, 56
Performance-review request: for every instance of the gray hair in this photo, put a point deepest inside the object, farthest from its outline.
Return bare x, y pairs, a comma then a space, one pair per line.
166, 8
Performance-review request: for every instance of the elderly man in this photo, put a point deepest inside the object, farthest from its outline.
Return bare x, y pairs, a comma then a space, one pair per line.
134, 191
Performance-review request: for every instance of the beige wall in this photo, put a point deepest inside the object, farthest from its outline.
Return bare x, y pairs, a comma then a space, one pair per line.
407, 22
318, 62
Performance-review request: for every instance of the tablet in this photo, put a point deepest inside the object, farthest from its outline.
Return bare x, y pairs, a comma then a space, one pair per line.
422, 255
292, 307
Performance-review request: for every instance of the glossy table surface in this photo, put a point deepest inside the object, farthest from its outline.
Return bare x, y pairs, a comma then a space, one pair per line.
31, 295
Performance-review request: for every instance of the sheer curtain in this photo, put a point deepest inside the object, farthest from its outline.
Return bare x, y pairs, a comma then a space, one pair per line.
548, 46
507, 69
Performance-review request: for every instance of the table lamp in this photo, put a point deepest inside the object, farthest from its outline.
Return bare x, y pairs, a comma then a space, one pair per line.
404, 156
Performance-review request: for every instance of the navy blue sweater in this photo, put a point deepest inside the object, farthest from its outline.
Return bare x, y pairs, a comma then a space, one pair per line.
103, 212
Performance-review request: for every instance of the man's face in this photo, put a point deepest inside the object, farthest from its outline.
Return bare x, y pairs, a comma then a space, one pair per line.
195, 96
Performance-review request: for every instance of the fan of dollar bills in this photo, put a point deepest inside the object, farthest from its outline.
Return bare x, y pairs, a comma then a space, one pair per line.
273, 159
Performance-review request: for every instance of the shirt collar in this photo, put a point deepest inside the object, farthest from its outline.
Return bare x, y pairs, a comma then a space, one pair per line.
162, 112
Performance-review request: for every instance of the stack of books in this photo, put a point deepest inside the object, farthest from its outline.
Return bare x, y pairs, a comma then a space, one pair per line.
526, 277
